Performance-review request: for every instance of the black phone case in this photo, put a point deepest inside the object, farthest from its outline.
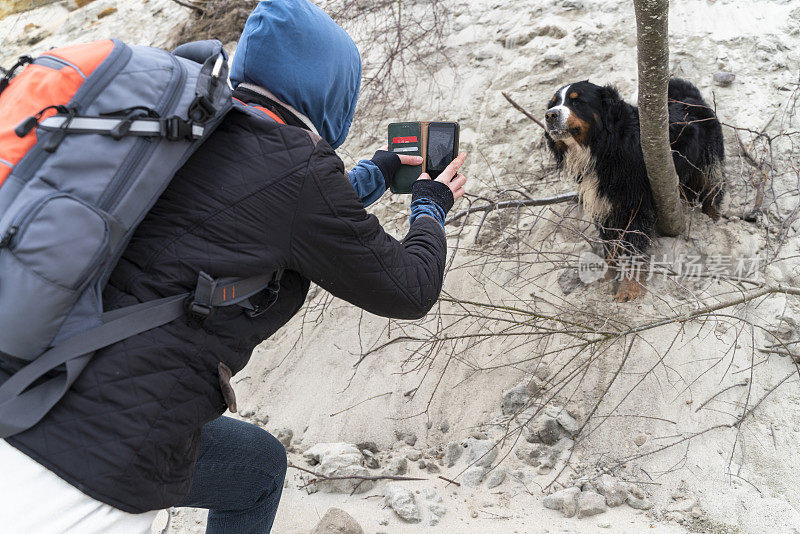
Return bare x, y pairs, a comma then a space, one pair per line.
406, 138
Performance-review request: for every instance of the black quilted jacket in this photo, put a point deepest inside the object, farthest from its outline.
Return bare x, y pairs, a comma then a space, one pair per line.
257, 196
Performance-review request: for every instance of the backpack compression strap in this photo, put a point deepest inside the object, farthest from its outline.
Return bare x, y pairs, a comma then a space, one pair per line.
22, 404
172, 128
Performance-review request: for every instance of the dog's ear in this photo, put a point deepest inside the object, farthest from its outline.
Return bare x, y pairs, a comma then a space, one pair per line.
612, 107
609, 93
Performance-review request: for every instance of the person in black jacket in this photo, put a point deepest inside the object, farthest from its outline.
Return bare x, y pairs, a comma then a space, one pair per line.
141, 429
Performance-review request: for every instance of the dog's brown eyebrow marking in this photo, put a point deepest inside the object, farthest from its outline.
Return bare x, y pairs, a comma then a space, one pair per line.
573, 94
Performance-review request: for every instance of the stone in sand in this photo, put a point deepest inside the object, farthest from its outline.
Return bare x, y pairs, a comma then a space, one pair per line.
408, 437
412, 454
285, 436
481, 452
452, 453
370, 461
590, 503
401, 500
437, 511
431, 467
544, 430
397, 466
565, 501
567, 422
515, 399
533, 457
637, 499
612, 489
473, 476
370, 446
431, 495
339, 460
495, 478
336, 521
724, 79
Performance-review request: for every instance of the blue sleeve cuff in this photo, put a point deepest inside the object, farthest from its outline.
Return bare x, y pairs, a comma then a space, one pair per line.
368, 181
424, 206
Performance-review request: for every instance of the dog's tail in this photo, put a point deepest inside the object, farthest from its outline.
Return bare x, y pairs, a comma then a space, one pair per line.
683, 92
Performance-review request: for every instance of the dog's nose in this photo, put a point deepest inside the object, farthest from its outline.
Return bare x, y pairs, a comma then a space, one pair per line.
551, 115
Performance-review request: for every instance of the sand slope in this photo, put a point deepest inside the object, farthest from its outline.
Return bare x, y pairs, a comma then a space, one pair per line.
335, 374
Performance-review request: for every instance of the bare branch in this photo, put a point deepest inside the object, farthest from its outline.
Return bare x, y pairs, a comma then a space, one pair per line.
522, 110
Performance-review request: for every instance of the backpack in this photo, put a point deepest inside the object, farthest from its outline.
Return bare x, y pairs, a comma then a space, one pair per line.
90, 136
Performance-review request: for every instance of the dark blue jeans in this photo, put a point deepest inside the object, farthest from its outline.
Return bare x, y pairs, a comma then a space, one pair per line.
238, 477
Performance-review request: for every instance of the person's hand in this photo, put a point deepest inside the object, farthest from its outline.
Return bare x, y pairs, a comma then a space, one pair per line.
450, 175
410, 160
404, 159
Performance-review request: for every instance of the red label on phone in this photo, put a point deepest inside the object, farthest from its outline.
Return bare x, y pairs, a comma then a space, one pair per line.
400, 140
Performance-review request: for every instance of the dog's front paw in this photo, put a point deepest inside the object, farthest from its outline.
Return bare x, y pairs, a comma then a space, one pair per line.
628, 290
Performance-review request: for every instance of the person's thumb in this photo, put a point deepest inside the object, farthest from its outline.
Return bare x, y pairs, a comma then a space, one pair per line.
424, 176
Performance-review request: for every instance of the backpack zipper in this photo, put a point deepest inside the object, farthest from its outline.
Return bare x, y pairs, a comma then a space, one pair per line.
44, 59
143, 147
20, 220
115, 62
9, 74
25, 216
8, 236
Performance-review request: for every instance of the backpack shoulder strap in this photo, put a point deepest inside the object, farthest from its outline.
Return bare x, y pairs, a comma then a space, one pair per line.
256, 111
23, 404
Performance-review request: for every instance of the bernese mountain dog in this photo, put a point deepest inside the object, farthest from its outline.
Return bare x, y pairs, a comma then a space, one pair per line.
594, 136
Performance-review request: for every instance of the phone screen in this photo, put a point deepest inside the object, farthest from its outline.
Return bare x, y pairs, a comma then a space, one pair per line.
441, 147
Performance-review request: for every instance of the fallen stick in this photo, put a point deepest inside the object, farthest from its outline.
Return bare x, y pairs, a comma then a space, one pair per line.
352, 477
717, 394
450, 481
522, 110
360, 403
199, 9
505, 204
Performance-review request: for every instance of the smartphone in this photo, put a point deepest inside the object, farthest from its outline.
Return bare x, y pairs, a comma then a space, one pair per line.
436, 142
442, 147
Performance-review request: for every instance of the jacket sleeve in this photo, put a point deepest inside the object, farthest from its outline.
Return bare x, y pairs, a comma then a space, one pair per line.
344, 250
367, 181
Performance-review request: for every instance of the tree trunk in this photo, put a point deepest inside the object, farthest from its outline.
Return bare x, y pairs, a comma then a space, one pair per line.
652, 21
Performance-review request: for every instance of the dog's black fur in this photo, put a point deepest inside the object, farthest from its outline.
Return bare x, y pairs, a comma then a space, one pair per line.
600, 121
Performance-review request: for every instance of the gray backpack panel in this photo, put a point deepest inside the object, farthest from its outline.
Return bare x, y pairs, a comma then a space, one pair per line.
70, 206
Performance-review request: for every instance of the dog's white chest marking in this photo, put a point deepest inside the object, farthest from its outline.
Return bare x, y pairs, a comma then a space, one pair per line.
579, 165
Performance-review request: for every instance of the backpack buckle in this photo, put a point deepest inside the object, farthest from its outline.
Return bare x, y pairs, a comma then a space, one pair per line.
198, 306
271, 296
201, 109
177, 129
198, 312
53, 141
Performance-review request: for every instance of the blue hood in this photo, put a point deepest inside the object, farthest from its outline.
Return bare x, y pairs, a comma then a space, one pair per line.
297, 52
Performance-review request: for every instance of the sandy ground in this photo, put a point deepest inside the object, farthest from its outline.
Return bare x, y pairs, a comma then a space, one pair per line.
655, 405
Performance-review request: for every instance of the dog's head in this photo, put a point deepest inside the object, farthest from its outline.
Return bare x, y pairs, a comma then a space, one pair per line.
579, 112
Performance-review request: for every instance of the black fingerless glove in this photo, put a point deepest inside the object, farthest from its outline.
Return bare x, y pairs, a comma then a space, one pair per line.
436, 192
388, 163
